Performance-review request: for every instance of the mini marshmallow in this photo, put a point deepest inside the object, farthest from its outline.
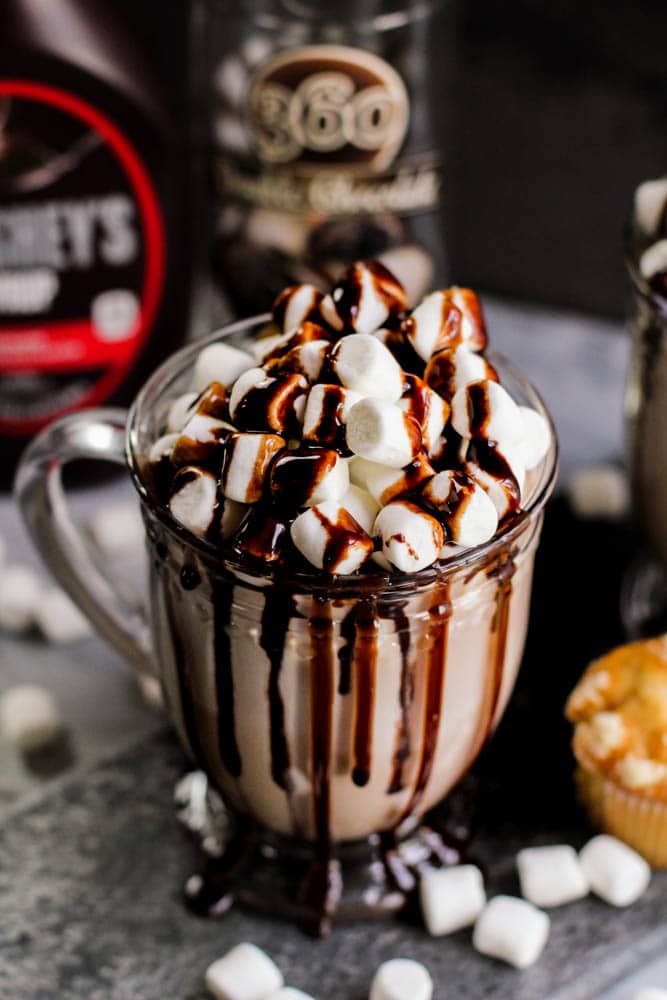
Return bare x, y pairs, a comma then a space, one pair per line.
364, 364
428, 408
246, 462
247, 380
117, 528
650, 205
163, 447
305, 478
486, 410
330, 538
305, 359
244, 973
363, 299
219, 363
551, 876
535, 439
59, 619
385, 483
413, 267
29, 717
362, 507
193, 499
512, 930
326, 413
599, 492
411, 539
463, 506
381, 432
433, 325
259, 402
179, 411
279, 347
201, 440
654, 260
296, 304
614, 871
20, 594
500, 473
290, 993
451, 898
401, 979
453, 368
473, 326
213, 402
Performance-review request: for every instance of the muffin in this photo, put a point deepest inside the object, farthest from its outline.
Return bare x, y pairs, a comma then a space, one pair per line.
619, 710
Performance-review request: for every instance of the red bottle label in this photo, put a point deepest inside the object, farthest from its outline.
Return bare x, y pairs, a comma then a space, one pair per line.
82, 255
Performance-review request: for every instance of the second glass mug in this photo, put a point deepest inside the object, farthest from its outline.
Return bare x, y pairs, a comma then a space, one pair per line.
330, 713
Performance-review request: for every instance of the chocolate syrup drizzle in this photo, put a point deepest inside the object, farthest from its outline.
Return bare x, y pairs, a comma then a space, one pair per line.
365, 667
279, 609
405, 696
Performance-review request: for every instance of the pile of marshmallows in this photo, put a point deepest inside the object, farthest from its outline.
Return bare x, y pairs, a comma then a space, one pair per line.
330, 432
508, 928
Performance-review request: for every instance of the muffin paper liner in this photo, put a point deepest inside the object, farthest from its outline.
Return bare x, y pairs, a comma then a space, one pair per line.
639, 821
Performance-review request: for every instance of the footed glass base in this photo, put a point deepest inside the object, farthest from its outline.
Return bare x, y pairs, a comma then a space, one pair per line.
644, 599
306, 883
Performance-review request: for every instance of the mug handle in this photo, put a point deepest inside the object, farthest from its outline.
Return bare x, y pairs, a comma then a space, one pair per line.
38, 488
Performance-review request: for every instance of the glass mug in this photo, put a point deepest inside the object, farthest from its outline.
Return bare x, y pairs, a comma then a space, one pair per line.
330, 713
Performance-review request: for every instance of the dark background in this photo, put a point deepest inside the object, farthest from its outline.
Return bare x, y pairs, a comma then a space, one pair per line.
558, 109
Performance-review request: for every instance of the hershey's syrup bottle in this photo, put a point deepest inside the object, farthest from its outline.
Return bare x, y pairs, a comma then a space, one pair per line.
325, 139
93, 284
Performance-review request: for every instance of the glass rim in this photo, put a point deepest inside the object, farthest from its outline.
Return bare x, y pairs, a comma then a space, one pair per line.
468, 558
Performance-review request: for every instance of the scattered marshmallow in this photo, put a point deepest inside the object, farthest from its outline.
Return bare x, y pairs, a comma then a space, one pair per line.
326, 413
20, 594
512, 930
551, 876
454, 368
29, 717
401, 979
363, 299
330, 538
486, 410
246, 462
219, 363
290, 993
535, 439
361, 505
296, 304
599, 492
615, 872
193, 499
654, 260
364, 364
411, 539
179, 411
467, 511
309, 477
381, 432
59, 619
451, 898
650, 204
244, 973
117, 527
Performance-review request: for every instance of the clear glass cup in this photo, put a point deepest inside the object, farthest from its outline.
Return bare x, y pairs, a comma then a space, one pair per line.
328, 712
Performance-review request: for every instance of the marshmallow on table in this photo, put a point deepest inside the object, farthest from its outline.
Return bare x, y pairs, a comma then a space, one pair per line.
20, 594
244, 973
326, 413
305, 359
331, 539
467, 511
486, 410
512, 930
59, 619
219, 363
654, 260
296, 304
363, 299
364, 364
411, 539
245, 465
385, 483
29, 717
361, 505
599, 492
614, 871
451, 898
305, 478
650, 993
551, 876
194, 498
117, 527
401, 979
651, 204
535, 439
428, 408
453, 368
201, 441
290, 993
381, 432
259, 402
179, 411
